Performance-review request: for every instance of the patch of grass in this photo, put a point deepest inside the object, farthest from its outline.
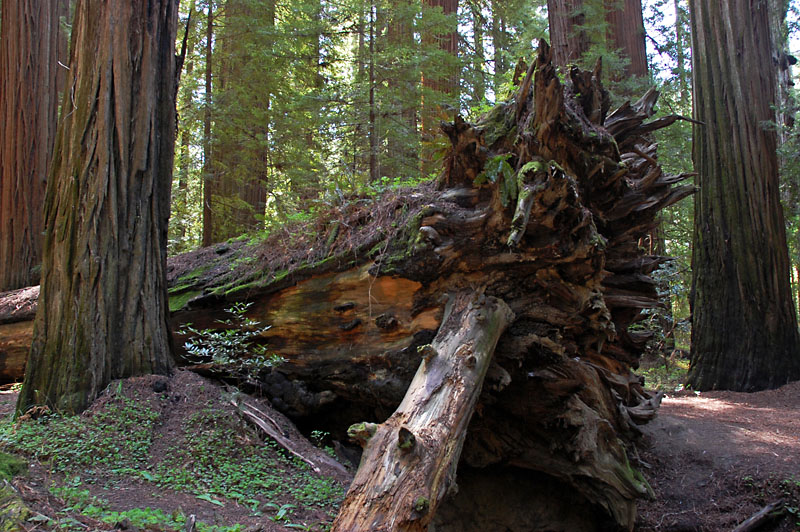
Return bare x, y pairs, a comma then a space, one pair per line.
11, 466
214, 462
115, 438
78, 500
215, 457
668, 377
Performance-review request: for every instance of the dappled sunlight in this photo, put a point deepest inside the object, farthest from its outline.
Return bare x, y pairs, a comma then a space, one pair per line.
745, 426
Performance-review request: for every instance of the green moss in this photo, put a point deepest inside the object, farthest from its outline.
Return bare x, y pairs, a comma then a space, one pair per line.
633, 478
190, 278
178, 301
13, 512
11, 466
497, 123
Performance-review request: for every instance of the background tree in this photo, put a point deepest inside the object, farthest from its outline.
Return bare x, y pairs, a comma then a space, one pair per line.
102, 311
30, 48
744, 331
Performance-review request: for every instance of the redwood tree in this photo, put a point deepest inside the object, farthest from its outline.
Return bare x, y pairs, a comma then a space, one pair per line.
567, 36
625, 33
102, 311
29, 52
744, 331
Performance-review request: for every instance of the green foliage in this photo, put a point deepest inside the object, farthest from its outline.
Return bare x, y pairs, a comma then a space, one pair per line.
78, 500
298, 88
498, 170
11, 466
117, 438
235, 347
213, 458
217, 466
668, 376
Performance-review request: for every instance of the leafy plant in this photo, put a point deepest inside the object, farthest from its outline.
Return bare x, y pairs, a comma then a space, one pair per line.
235, 347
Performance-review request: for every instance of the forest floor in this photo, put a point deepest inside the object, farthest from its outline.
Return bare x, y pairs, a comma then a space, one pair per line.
716, 458
155, 454
158, 454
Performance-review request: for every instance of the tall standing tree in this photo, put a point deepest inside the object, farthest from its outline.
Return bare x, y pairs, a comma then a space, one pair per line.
29, 53
567, 35
744, 331
102, 311
208, 162
442, 78
626, 34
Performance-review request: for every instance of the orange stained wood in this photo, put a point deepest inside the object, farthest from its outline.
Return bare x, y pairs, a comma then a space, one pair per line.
349, 314
15, 342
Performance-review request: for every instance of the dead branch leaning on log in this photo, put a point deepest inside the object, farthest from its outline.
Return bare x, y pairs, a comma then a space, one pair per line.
409, 464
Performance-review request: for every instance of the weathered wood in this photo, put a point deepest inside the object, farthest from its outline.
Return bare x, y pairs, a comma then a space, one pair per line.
409, 464
765, 515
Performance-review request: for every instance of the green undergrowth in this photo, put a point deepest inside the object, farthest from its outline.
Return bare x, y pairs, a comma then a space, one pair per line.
777, 488
665, 374
214, 456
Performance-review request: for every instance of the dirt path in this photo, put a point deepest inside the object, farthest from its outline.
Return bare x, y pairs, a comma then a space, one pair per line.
718, 457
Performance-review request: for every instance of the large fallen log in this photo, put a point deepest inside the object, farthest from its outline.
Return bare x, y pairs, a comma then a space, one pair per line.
541, 207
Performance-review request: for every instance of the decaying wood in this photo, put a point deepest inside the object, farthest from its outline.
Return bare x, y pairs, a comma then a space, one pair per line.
553, 232
765, 515
410, 461
271, 428
17, 309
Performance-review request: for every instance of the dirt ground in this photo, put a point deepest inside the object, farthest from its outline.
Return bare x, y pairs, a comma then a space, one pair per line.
718, 457
713, 459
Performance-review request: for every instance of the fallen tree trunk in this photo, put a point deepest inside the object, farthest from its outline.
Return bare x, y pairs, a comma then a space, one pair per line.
410, 461
541, 205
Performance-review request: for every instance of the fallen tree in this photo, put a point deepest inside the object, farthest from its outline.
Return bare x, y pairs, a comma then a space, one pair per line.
485, 324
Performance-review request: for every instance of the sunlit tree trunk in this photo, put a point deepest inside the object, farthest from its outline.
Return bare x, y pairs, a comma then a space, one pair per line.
102, 310
680, 43
478, 54
446, 79
499, 43
744, 331
29, 70
184, 157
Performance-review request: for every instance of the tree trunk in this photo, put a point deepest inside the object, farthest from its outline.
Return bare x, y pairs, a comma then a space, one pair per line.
445, 81
626, 33
409, 463
569, 40
103, 312
402, 154
680, 43
500, 44
740, 262
29, 73
374, 169
478, 58
208, 164
184, 157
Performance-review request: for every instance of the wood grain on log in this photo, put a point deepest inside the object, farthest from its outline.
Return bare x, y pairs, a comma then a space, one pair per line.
410, 462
